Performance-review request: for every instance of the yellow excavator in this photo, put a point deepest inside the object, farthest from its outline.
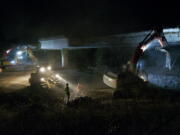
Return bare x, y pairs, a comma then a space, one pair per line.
18, 58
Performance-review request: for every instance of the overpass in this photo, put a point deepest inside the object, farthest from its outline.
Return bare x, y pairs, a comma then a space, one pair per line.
128, 39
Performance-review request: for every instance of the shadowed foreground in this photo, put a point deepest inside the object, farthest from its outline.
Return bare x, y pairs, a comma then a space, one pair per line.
40, 111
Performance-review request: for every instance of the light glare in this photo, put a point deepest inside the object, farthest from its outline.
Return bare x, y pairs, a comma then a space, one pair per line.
19, 53
12, 62
49, 68
42, 69
42, 79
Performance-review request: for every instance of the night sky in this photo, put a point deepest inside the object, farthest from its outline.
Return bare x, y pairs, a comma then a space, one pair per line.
28, 20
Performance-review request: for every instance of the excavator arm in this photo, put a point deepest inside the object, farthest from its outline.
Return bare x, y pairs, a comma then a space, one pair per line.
156, 34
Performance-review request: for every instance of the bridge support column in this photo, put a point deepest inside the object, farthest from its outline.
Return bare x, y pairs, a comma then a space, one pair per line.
64, 58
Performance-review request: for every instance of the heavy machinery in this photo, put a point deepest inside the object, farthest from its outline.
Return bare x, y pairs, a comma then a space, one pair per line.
152, 49
44, 77
160, 66
18, 58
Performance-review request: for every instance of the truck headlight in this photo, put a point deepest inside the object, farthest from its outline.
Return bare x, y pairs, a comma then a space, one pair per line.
42, 69
57, 75
42, 79
49, 68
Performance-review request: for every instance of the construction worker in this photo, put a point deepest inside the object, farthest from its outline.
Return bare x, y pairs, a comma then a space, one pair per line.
67, 92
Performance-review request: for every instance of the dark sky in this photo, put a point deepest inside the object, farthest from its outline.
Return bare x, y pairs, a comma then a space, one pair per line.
29, 20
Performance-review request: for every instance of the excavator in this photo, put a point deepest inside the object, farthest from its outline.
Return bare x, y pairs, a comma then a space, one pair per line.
154, 39
18, 58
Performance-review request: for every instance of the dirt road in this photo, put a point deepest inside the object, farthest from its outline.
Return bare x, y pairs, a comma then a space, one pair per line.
10, 81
